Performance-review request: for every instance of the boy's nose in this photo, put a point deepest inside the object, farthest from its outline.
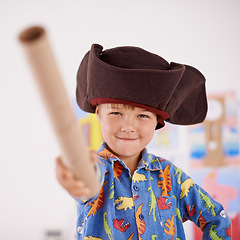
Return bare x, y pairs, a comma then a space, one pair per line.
128, 125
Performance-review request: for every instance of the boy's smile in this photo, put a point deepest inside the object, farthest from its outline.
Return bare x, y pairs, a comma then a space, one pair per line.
127, 130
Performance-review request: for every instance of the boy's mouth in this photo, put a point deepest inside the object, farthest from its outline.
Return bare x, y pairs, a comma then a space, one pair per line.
127, 139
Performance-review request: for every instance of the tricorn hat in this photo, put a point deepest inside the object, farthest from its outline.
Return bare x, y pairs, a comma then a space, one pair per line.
132, 75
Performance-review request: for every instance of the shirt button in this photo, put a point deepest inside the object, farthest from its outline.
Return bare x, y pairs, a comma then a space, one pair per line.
80, 230
223, 214
136, 188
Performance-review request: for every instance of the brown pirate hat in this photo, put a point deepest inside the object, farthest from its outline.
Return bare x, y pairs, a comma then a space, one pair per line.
131, 75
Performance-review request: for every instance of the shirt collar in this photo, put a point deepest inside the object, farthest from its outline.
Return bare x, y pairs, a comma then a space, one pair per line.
148, 161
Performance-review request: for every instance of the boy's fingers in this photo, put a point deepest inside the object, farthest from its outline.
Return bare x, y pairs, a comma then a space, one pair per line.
75, 184
68, 181
79, 193
59, 162
76, 188
73, 187
93, 156
61, 170
71, 184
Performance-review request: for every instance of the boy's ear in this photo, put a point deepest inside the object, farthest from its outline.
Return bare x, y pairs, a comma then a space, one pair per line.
97, 112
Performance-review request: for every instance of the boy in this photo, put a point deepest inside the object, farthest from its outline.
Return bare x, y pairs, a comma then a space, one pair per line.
142, 196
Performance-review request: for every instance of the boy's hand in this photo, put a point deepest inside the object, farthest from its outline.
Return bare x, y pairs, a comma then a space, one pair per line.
69, 182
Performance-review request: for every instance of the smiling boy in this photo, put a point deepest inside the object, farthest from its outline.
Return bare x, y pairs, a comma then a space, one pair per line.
142, 196
127, 131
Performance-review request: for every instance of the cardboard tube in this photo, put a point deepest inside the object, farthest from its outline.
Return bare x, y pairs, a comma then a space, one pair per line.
74, 151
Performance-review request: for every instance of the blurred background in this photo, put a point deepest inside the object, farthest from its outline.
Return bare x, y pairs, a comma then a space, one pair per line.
201, 33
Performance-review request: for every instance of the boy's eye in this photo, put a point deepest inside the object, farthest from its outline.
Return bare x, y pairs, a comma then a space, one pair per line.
143, 116
115, 113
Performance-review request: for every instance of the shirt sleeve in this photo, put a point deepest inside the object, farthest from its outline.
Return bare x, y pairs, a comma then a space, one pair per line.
197, 205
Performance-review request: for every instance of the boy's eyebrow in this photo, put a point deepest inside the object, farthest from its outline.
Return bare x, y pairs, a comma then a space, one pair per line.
144, 110
112, 106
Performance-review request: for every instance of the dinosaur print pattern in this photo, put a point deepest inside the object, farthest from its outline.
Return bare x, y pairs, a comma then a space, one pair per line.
190, 210
170, 227
165, 181
185, 187
137, 177
154, 236
179, 172
150, 204
107, 229
162, 203
111, 190
131, 237
124, 203
92, 238
202, 222
228, 230
141, 225
117, 170
121, 225
213, 233
208, 202
97, 204
105, 153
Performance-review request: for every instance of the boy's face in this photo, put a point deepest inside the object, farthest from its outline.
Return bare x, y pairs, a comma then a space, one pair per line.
127, 130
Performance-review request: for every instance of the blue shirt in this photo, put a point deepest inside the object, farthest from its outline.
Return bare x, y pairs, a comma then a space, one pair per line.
151, 204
